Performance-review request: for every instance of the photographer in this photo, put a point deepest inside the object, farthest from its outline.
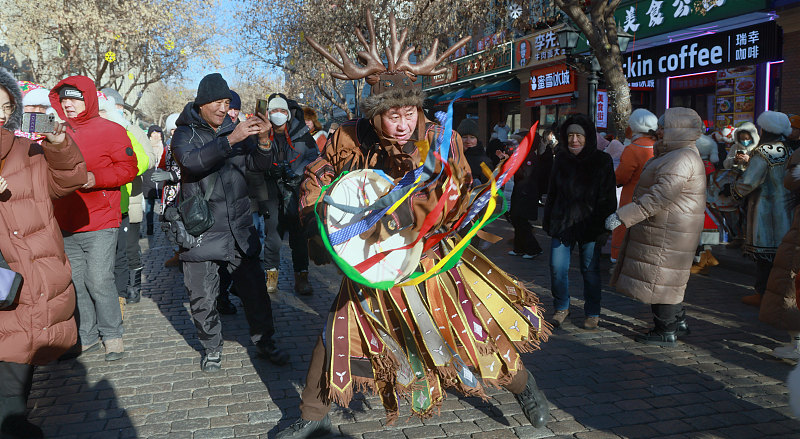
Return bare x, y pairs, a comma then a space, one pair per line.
276, 190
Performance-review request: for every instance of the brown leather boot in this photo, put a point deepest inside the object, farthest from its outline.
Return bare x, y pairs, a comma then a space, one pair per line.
272, 281
301, 285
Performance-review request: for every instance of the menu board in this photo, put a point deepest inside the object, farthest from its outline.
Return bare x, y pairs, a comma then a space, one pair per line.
736, 98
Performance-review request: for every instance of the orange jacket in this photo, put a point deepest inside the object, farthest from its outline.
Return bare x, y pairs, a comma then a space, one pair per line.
631, 165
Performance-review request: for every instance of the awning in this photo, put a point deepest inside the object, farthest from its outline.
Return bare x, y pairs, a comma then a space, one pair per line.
447, 97
505, 87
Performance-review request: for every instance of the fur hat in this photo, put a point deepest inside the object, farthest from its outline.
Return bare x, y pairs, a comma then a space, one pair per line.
37, 96
775, 122
468, 127
642, 121
7, 81
725, 135
310, 114
380, 103
708, 149
749, 128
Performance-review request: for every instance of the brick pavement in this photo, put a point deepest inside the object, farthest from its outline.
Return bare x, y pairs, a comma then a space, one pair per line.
719, 382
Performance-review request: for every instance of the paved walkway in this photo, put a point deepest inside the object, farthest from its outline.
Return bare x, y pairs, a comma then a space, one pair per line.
719, 382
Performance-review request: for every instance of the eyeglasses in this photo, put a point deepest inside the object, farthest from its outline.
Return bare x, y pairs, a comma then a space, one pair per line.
8, 109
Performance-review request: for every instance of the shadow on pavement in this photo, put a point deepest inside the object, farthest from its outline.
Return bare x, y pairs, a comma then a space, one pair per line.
67, 404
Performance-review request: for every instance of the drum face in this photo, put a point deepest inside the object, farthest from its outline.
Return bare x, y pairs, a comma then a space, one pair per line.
358, 189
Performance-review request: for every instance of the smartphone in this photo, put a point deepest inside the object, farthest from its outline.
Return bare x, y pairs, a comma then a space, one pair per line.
38, 123
261, 106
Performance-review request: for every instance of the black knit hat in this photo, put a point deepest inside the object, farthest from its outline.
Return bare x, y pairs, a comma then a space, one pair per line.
236, 101
212, 88
468, 127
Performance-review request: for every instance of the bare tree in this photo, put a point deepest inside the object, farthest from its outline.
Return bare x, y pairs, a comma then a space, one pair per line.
596, 21
125, 45
276, 36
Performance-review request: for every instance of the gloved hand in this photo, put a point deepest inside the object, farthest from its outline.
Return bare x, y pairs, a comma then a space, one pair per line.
160, 175
726, 190
177, 233
613, 221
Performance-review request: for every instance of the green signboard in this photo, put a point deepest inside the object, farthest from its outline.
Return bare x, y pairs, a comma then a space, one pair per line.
645, 18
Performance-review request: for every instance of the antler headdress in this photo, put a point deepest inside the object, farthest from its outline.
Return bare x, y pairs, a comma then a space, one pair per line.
400, 73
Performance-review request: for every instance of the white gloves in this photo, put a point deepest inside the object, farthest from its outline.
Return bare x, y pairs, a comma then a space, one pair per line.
613, 221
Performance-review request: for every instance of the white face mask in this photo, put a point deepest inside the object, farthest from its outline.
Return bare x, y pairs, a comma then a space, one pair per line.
278, 118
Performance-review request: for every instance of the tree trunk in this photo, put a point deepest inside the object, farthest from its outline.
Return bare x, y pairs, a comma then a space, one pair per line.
619, 95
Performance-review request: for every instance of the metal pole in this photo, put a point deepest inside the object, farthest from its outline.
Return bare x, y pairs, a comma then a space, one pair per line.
593, 80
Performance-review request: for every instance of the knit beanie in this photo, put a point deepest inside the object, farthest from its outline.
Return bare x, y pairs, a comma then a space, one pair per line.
111, 93
212, 88
236, 101
38, 96
154, 129
277, 102
468, 127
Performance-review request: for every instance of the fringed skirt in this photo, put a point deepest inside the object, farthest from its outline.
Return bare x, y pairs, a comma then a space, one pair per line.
462, 329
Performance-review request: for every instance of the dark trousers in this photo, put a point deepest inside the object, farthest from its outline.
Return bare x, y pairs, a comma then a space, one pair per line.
273, 241
763, 267
128, 256
202, 283
524, 240
149, 214
314, 407
667, 316
15, 385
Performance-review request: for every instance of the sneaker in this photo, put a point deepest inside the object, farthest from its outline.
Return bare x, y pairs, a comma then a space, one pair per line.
531, 256
658, 338
559, 317
752, 300
533, 403
114, 349
272, 281
211, 362
272, 353
513, 253
302, 429
591, 322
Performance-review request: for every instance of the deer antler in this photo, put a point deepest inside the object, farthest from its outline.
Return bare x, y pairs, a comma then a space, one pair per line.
369, 57
427, 66
393, 52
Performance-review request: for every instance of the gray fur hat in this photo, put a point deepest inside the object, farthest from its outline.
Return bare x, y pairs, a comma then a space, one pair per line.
380, 103
8, 82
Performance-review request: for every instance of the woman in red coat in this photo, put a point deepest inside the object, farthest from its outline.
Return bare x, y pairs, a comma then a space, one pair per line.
39, 326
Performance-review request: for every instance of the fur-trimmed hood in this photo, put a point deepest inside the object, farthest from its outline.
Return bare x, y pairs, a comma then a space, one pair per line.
749, 128
775, 122
10, 84
377, 104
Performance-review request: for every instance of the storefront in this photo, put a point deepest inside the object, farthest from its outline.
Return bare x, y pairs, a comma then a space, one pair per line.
728, 77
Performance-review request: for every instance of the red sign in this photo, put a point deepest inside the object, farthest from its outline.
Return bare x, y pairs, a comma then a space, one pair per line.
551, 80
693, 81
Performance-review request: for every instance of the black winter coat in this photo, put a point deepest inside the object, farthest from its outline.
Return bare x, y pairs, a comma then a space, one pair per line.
200, 153
582, 189
525, 196
270, 184
475, 156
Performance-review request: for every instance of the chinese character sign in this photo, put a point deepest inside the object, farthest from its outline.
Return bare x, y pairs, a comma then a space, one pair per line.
537, 48
601, 113
551, 80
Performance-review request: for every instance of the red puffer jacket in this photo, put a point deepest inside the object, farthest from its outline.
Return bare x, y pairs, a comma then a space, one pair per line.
109, 156
39, 327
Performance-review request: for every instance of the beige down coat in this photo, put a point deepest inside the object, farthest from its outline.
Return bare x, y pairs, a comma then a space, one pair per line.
779, 304
666, 216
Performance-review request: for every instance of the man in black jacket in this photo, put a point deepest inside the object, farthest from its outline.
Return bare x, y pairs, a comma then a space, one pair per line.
214, 155
276, 191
